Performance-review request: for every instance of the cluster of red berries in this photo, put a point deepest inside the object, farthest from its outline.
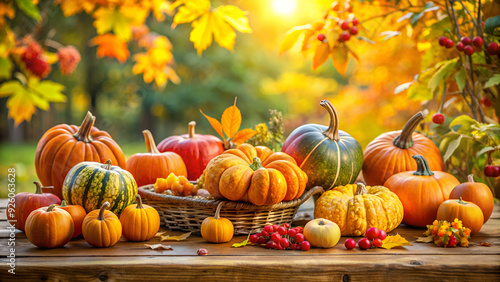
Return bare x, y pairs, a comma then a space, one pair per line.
281, 238
374, 238
35, 61
348, 30
68, 59
466, 45
492, 171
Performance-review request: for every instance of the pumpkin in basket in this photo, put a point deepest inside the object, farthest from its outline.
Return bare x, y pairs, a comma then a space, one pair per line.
356, 207
329, 156
254, 174
217, 229
90, 184
63, 146
392, 152
147, 167
196, 150
421, 192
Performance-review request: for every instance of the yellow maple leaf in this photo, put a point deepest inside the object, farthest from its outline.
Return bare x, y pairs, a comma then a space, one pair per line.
159, 8
136, 13
235, 17
292, 36
175, 238
107, 19
189, 10
395, 241
321, 55
109, 45
72, 7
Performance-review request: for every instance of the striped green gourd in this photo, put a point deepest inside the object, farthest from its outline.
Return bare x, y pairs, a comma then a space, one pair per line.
90, 184
330, 157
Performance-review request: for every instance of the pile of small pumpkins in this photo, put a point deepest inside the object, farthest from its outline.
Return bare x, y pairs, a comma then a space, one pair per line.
402, 170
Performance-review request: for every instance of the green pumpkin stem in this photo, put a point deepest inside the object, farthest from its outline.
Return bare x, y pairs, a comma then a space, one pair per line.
191, 126
462, 202
405, 140
64, 203
101, 211
470, 177
138, 199
150, 142
361, 190
217, 211
83, 133
332, 131
422, 166
256, 164
51, 207
107, 165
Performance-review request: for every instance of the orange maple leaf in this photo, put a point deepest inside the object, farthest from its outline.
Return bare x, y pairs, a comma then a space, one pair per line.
109, 45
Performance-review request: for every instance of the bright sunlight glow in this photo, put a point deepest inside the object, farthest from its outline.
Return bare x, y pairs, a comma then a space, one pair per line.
284, 7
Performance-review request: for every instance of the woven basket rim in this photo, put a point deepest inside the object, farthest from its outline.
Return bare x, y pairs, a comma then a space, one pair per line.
147, 191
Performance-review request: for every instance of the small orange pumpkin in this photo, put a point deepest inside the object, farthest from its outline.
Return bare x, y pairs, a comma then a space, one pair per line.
421, 192
139, 222
217, 229
147, 167
102, 228
469, 213
49, 227
475, 192
78, 214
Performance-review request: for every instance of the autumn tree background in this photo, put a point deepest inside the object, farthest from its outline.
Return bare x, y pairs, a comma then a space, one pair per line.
141, 67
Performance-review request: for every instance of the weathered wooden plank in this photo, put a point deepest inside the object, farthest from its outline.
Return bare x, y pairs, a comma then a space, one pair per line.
224, 268
3, 203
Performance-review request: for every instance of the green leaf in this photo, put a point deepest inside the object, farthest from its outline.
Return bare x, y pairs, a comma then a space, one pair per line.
242, 244
29, 8
460, 79
46, 89
403, 87
452, 147
484, 150
463, 124
10, 87
5, 68
415, 18
494, 80
491, 24
442, 73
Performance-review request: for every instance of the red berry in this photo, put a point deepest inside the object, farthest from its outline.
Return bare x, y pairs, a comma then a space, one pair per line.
493, 48
268, 228
305, 246
202, 252
364, 244
382, 235
350, 244
492, 171
466, 40
486, 102
477, 41
254, 238
275, 228
268, 244
286, 225
372, 233
294, 246
272, 245
276, 237
68, 59
460, 46
438, 118
264, 234
344, 36
262, 240
448, 44
299, 238
355, 21
292, 232
282, 230
377, 243
321, 37
39, 66
32, 51
299, 229
452, 242
284, 243
344, 25
468, 50
353, 30
442, 40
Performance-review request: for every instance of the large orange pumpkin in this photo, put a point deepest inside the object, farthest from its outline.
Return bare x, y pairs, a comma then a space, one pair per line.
421, 192
256, 175
147, 167
392, 152
477, 193
64, 146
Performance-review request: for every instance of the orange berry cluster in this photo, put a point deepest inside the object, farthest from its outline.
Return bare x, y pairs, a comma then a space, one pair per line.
176, 185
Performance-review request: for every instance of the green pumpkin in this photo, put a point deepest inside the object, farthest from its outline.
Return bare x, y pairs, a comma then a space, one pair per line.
330, 157
90, 184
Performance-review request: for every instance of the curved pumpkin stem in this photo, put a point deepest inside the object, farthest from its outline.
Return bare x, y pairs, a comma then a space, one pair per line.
101, 211
462, 202
107, 165
470, 177
38, 187
332, 131
64, 203
191, 126
422, 166
51, 208
150, 142
217, 211
405, 140
256, 164
361, 190
83, 133
138, 199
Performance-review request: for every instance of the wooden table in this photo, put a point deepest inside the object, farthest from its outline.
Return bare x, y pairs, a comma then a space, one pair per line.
132, 261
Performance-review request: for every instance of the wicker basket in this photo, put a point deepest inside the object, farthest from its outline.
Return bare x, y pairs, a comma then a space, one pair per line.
187, 214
